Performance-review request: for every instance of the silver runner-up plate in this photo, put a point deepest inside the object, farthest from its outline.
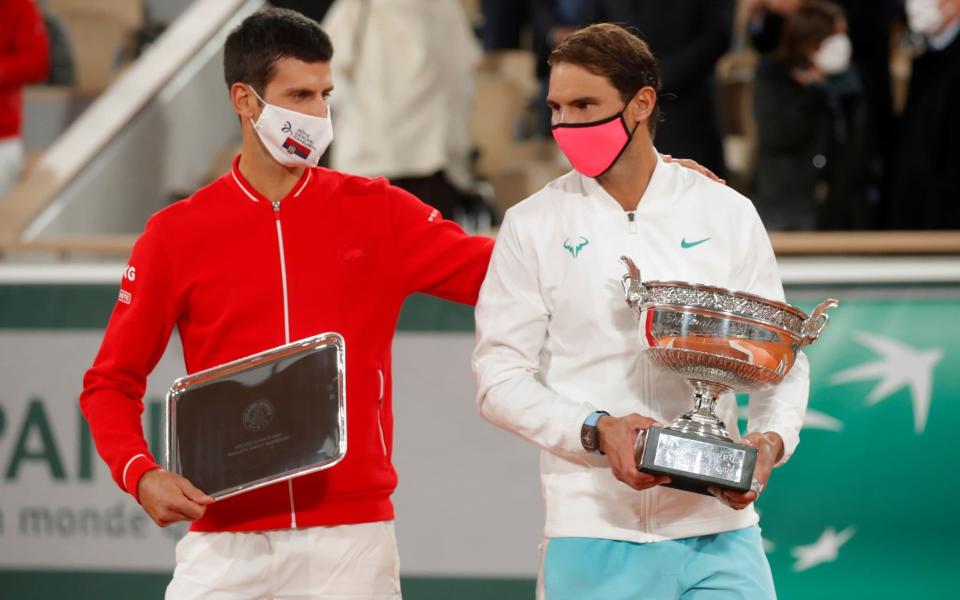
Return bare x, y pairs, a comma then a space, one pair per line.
261, 419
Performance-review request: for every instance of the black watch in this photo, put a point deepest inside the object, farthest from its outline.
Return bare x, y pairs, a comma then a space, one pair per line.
589, 436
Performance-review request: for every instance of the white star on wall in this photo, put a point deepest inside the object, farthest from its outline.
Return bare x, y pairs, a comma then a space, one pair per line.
819, 420
825, 549
899, 366
813, 419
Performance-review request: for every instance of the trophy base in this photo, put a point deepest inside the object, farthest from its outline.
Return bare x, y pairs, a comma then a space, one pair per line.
695, 462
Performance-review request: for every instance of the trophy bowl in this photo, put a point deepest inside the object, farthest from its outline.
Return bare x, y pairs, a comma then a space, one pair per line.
720, 341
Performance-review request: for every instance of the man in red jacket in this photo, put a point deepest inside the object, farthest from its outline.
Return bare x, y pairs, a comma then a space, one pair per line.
24, 58
273, 251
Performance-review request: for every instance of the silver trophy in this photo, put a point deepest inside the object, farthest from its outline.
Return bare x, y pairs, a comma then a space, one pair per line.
721, 341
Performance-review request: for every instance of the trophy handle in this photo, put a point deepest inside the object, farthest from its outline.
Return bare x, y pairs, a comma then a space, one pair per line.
633, 289
813, 327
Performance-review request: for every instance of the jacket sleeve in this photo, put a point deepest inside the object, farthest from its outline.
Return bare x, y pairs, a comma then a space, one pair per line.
432, 255
782, 408
27, 58
512, 321
135, 339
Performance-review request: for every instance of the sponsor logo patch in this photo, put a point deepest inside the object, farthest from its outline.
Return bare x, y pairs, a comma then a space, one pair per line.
292, 146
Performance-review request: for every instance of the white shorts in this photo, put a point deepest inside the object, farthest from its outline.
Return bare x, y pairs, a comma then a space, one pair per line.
345, 562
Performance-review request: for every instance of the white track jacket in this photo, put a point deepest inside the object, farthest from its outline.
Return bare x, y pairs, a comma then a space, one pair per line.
557, 341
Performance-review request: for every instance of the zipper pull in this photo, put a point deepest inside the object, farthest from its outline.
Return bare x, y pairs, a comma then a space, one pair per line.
632, 219
276, 208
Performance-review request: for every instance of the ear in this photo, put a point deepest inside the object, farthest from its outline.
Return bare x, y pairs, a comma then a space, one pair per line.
245, 103
642, 104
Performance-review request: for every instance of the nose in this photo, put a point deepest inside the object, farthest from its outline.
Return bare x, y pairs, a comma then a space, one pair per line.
323, 108
557, 117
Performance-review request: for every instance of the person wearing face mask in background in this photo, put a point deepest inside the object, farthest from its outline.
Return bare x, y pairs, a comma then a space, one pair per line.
925, 192
557, 360
870, 24
813, 167
276, 250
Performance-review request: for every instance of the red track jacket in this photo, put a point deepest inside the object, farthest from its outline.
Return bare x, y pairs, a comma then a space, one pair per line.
24, 58
238, 275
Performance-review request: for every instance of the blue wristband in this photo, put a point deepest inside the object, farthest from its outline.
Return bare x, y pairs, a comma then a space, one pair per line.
589, 436
592, 418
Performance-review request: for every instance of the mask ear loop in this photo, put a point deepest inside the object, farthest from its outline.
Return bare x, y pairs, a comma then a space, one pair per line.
259, 99
251, 88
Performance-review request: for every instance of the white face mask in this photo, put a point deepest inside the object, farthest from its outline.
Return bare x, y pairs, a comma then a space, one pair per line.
925, 16
293, 138
833, 56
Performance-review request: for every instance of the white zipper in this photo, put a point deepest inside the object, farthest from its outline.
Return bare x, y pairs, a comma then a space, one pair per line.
632, 220
286, 334
293, 506
383, 439
283, 276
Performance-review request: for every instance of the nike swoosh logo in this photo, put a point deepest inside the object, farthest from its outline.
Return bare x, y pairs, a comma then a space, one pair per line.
685, 244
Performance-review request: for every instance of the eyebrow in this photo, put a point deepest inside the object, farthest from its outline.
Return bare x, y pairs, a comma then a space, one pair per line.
295, 91
582, 99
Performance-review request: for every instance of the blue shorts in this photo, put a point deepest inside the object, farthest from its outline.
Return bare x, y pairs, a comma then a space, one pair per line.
724, 566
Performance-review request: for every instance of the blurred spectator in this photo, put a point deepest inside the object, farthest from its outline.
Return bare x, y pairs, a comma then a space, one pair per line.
62, 69
811, 127
687, 37
926, 177
24, 58
870, 23
552, 22
403, 71
504, 22
765, 22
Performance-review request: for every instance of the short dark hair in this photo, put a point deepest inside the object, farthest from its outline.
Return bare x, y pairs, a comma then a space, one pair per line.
252, 50
813, 22
621, 56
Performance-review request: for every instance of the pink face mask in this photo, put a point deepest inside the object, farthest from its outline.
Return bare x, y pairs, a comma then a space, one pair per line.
592, 148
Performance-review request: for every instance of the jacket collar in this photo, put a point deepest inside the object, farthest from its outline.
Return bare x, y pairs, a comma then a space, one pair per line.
249, 192
657, 196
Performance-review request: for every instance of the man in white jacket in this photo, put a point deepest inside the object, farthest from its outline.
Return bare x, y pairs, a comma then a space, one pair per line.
558, 361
